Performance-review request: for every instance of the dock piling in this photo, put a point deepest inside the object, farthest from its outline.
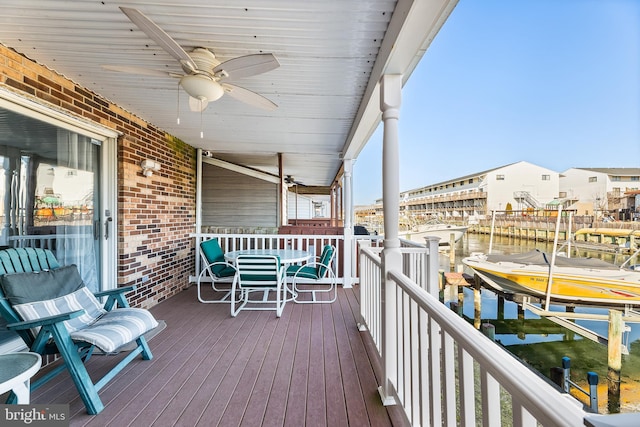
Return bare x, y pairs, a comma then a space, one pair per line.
452, 250
614, 360
477, 302
489, 330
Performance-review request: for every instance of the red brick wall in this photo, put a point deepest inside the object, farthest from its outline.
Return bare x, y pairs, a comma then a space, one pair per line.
156, 214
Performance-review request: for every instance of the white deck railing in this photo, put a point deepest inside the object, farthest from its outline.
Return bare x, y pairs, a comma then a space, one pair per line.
311, 243
441, 369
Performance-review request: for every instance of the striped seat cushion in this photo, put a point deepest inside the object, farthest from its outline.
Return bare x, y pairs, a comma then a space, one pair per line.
116, 328
35, 295
82, 299
48, 293
107, 330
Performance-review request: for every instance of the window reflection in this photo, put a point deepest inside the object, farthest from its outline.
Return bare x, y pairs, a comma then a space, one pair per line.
48, 181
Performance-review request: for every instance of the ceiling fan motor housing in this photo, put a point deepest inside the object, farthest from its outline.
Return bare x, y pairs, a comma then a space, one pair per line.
202, 87
204, 59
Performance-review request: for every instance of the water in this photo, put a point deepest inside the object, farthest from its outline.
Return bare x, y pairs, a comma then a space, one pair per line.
542, 343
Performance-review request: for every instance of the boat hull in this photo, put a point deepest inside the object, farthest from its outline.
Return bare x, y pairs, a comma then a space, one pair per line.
610, 287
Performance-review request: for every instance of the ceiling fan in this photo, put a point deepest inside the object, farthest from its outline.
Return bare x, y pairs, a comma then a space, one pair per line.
205, 78
288, 179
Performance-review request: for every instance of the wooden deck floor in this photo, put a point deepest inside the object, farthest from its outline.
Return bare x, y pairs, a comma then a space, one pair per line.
311, 367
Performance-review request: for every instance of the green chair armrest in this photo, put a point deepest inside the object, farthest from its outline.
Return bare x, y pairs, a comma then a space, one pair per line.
115, 296
28, 324
116, 291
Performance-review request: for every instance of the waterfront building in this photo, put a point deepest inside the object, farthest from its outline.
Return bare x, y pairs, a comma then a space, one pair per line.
520, 186
602, 191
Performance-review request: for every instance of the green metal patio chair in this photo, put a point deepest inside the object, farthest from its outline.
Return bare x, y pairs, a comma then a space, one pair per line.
319, 275
258, 273
53, 311
219, 271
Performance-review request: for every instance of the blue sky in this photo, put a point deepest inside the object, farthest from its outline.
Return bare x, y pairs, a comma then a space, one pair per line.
551, 82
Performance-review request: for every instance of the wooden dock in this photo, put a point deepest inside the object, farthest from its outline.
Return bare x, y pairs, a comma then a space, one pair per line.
596, 239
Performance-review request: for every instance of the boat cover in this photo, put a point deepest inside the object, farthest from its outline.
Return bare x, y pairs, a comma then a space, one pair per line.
537, 257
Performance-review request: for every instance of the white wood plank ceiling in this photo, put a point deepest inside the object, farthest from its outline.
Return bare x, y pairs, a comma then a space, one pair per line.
331, 54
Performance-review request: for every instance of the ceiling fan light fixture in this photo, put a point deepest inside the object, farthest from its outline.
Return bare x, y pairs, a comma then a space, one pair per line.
202, 87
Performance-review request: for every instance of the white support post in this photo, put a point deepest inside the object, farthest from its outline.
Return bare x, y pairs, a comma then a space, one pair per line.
198, 224
390, 98
349, 242
9, 165
433, 263
334, 215
283, 210
553, 259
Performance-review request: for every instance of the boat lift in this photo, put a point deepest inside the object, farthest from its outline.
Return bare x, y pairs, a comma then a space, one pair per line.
566, 320
616, 319
630, 315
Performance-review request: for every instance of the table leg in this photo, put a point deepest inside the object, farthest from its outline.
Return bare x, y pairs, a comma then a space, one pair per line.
21, 391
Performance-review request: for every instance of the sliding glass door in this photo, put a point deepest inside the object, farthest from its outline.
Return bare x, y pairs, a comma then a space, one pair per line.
51, 195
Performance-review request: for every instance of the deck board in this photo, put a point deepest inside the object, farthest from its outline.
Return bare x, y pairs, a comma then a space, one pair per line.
277, 398
334, 388
309, 367
297, 395
354, 395
316, 383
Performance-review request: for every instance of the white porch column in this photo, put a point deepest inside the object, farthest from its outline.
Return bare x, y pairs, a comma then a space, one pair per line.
6, 227
349, 242
390, 98
334, 216
198, 230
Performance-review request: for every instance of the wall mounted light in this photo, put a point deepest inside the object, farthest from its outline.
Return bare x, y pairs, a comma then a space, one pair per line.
148, 167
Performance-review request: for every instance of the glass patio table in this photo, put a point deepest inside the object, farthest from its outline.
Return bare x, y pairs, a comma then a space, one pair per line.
287, 256
16, 372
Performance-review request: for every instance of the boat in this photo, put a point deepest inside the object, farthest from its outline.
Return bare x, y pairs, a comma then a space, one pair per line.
435, 228
573, 280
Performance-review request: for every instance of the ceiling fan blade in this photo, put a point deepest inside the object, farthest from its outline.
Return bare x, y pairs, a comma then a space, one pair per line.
249, 97
158, 35
196, 105
137, 70
248, 65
